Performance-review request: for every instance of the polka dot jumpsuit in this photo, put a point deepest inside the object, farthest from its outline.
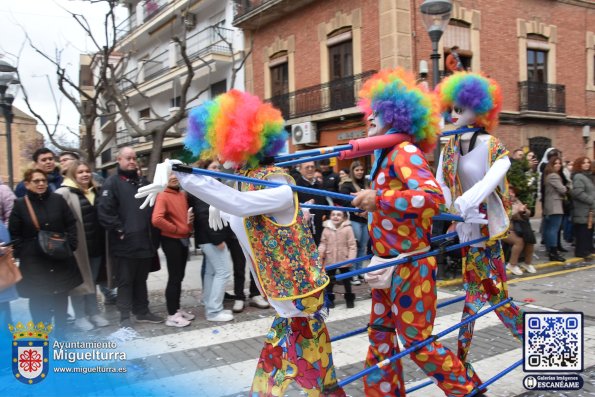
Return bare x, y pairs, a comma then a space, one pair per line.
405, 184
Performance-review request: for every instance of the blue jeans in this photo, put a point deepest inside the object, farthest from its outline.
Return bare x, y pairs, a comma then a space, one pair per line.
218, 268
550, 230
360, 230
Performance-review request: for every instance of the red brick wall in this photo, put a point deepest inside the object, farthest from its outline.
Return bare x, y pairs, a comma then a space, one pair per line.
303, 24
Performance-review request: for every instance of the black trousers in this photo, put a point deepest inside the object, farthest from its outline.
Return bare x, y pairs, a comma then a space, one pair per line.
346, 282
584, 240
132, 274
176, 255
239, 270
44, 307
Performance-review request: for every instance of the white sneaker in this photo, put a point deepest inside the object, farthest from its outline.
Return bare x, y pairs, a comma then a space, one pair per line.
516, 270
99, 320
238, 306
187, 315
83, 324
221, 317
259, 302
355, 281
529, 268
176, 320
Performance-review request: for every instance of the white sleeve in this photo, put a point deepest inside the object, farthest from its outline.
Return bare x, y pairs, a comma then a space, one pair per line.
234, 202
486, 186
442, 183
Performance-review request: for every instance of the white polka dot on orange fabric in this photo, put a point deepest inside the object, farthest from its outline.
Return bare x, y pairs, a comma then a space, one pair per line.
379, 308
386, 224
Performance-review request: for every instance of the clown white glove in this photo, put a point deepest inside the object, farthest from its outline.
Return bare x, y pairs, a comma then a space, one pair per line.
215, 220
470, 214
465, 232
162, 173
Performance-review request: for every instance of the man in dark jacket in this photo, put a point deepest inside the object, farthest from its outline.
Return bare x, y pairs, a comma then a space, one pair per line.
132, 238
44, 160
307, 179
330, 179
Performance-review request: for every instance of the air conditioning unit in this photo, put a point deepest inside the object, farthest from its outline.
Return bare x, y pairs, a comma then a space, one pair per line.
303, 133
189, 21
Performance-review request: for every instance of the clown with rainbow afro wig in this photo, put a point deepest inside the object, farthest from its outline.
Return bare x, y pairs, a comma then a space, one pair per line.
472, 174
237, 128
403, 198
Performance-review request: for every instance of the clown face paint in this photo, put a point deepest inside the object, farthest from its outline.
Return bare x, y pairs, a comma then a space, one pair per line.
462, 117
375, 125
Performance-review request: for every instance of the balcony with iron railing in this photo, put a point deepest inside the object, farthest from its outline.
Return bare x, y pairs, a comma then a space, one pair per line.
547, 100
250, 14
209, 41
126, 26
335, 95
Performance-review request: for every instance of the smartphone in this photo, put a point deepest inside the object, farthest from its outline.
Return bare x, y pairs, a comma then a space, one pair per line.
188, 219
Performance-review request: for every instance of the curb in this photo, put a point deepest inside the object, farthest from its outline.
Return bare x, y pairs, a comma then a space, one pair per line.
545, 265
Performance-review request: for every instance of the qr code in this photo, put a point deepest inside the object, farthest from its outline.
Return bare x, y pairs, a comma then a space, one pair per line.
553, 342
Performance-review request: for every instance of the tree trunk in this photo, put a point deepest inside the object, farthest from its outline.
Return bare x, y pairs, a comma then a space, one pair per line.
155, 157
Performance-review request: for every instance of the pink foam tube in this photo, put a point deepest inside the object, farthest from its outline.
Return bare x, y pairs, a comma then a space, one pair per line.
365, 146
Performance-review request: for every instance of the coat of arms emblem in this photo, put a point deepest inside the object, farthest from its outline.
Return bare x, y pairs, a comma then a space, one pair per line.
30, 351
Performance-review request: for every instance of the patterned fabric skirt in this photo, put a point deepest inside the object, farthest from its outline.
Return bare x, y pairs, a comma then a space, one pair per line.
297, 349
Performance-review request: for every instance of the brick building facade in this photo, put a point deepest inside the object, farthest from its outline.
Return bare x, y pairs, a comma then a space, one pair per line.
310, 57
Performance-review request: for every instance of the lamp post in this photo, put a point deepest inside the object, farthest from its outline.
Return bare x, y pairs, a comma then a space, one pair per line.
7, 84
436, 14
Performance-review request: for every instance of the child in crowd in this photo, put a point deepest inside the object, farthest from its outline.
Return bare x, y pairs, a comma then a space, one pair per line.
338, 244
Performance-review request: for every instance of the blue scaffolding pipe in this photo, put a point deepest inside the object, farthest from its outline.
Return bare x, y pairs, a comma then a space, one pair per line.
494, 378
314, 152
412, 258
418, 346
363, 258
417, 387
441, 217
364, 329
312, 158
254, 181
334, 151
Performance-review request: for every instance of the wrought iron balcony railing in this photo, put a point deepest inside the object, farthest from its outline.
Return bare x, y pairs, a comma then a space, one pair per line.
334, 95
542, 97
214, 39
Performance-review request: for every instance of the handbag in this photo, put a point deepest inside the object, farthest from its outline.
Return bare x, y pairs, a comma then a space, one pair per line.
53, 244
9, 271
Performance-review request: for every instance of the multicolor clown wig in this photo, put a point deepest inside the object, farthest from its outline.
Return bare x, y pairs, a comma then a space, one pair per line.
235, 126
402, 105
473, 91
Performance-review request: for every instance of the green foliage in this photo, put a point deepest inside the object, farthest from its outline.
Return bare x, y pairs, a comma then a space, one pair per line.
524, 181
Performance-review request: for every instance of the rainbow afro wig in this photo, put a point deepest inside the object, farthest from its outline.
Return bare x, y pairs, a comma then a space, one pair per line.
402, 105
235, 126
473, 91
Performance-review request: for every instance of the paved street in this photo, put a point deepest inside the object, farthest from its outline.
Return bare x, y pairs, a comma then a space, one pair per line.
219, 359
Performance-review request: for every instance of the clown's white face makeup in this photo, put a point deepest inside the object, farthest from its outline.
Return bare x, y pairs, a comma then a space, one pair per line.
375, 125
462, 117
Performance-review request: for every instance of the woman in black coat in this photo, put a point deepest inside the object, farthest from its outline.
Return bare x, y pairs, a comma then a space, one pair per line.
46, 281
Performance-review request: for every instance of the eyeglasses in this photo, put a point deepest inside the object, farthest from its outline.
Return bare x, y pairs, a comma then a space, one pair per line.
39, 181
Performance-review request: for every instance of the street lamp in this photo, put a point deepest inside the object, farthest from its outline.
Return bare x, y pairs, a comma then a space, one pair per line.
8, 84
436, 14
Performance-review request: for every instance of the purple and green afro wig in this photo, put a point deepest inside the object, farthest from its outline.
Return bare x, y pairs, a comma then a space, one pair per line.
473, 91
235, 126
402, 105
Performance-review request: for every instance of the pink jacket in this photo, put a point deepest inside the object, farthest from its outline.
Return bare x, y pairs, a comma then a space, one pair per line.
337, 245
7, 198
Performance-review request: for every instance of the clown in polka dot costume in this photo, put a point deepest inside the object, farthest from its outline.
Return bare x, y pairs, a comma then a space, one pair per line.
472, 174
403, 198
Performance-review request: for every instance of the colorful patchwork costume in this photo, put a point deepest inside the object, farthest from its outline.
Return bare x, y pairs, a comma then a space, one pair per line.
407, 197
236, 127
472, 174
